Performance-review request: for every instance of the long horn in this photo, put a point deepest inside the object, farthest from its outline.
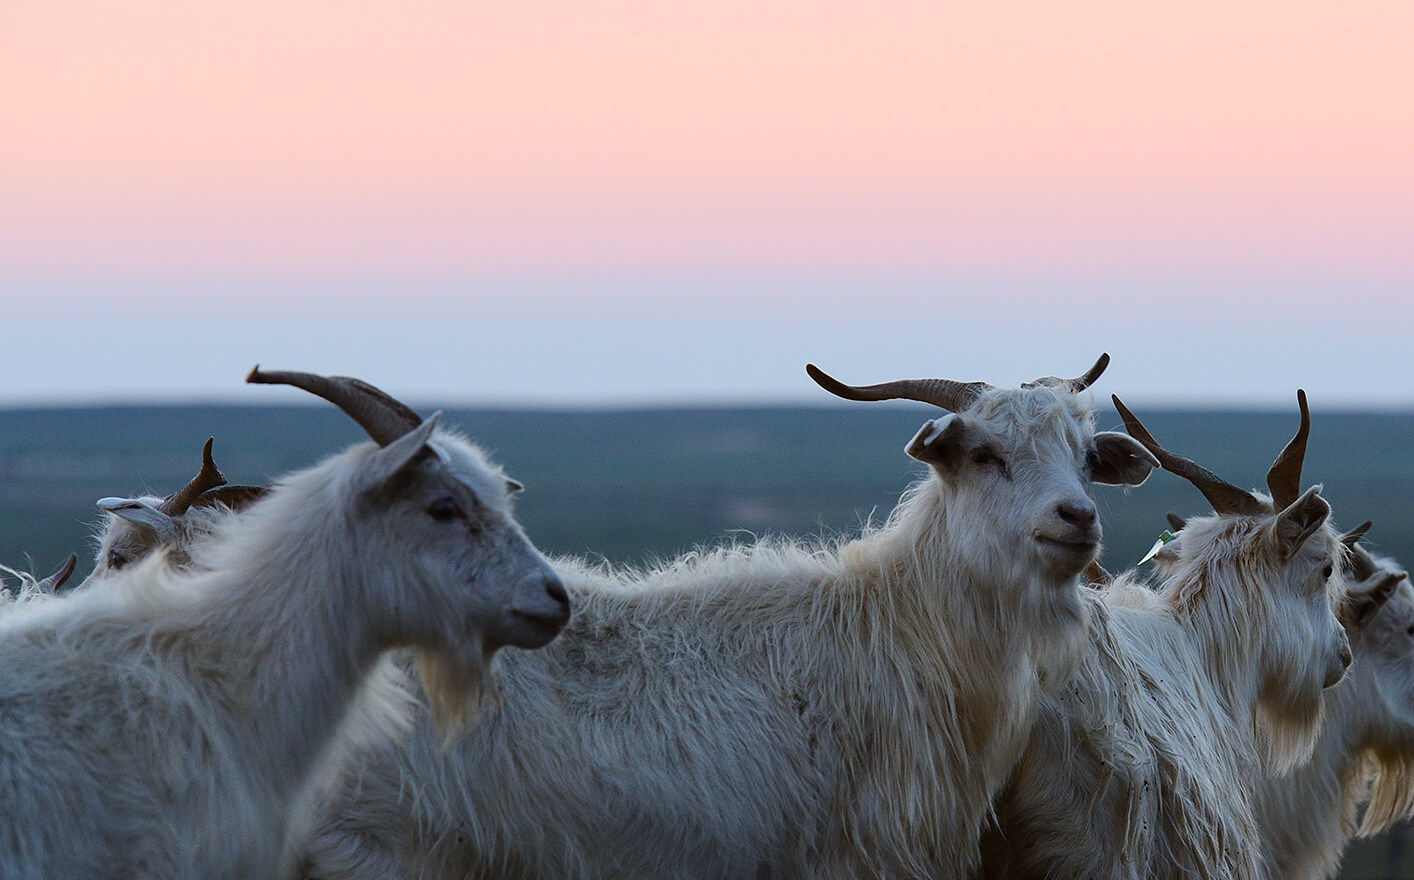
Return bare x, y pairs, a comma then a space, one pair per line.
236, 498
56, 580
950, 395
1284, 479
1079, 383
383, 417
208, 477
1355, 534
1225, 497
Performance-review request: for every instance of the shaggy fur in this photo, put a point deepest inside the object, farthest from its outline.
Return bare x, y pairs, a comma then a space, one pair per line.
780, 709
164, 725
1143, 766
1365, 753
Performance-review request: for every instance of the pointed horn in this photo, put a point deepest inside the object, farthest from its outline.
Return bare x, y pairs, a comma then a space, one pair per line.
208, 477
1079, 383
237, 498
56, 580
1284, 479
383, 417
1225, 497
945, 393
1355, 534
1360, 564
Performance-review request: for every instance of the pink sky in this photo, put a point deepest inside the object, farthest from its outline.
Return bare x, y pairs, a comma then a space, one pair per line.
676, 201
601, 136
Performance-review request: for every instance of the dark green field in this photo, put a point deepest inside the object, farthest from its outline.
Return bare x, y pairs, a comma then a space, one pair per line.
632, 485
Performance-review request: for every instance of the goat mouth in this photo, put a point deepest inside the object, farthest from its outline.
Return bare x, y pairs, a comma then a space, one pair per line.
531, 630
1069, 546
1068, 556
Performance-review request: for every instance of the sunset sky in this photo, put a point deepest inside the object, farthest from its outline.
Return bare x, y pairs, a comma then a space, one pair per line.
605, 203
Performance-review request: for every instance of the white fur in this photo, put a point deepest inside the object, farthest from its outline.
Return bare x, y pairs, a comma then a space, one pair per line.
1365, 753
778, 709
1145, 764
166, 724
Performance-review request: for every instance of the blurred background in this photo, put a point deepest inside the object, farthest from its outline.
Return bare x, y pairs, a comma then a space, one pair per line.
608, 235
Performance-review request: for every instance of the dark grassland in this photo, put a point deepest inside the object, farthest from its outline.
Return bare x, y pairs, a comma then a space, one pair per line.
635, 485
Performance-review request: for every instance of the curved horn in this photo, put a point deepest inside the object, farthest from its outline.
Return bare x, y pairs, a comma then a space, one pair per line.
383, 417
208, 477
950, 395
235, 497
1079, 383
1225, 497
56, 580
1355, 534
1284, 479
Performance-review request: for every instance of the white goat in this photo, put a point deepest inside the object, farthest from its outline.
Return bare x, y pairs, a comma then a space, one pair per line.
164, 726
777, 709
135, 527
32, 588
1145, 764
1365, 754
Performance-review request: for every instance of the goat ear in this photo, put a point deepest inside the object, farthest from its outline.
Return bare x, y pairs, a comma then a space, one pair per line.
387, 469
139, 512
1365, 599
1120, 460
939, 442
1301, 519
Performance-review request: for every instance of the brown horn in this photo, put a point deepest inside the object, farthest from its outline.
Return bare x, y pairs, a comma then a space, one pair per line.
950, 395
235, 497
383, 417
1225, 497
208, 477
1360, 563
1079, 383
56, 580
1284, 479
1355, 534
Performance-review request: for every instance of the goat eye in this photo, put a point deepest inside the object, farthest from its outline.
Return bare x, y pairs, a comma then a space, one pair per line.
116, 560
1327, 571
444, 510
983, 456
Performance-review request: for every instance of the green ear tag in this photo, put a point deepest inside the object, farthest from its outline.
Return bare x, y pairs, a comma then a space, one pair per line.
1164, 537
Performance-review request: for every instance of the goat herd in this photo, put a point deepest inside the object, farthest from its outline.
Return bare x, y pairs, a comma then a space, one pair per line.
298, 680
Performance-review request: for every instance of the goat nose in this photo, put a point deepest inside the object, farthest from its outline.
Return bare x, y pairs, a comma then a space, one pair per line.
1345, 656
556, 589
1076, 514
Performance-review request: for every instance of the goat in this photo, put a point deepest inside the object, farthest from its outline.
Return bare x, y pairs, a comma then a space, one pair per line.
1365, 753
165, 725
1143, 766
783, 709
32, 588
135, 527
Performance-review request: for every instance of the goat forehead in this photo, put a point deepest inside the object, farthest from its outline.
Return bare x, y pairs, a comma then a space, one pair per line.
1036, 420
469, 465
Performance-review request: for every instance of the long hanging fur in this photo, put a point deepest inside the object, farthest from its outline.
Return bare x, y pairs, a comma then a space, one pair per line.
165, 723
1186, 699
779, 709
1364, 756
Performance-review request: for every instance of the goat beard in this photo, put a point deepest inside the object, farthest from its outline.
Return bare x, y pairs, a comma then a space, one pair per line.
458, 684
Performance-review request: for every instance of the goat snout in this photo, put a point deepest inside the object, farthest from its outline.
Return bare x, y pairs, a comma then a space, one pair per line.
1081, 515
1336, 672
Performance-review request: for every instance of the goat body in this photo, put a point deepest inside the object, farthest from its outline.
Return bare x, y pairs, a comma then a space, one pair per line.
164, 726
